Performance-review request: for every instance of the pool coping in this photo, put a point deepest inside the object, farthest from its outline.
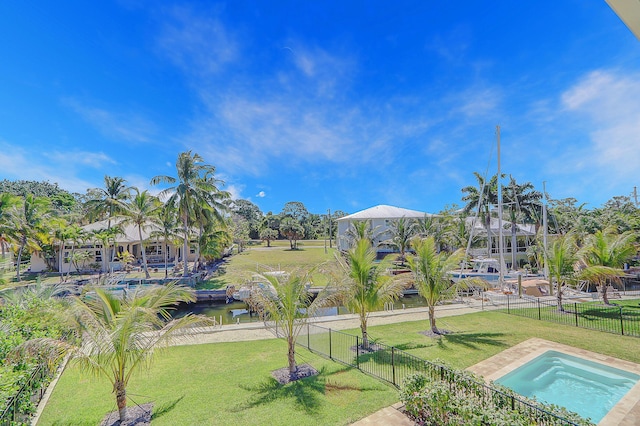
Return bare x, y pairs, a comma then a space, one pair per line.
625, 413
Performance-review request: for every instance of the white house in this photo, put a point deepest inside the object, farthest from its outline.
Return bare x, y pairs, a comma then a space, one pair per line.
128, 240
380, 219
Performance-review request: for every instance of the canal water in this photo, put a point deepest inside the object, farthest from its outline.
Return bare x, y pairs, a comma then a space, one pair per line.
237, 311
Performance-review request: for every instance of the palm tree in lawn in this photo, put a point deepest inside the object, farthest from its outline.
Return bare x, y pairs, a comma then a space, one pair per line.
196, 189
605, 253
363, 288
432, 280
110, 201
168, 229
76, 235
562, 257
481, 198
288, 304
25, 222
120, 335
521, 201
402, 231
138, 212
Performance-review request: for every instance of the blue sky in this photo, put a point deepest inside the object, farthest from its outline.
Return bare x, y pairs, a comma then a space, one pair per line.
340, 105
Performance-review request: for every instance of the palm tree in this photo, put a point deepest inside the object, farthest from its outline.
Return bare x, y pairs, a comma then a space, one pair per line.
361, 229
25, 221
521, 201
605, 253
120, 335
138, 212
7, 202
110, 200
432, 280
287, 303
76, 234
562, 257
168, 228
402, 231
196, 190
363, 287
482, 198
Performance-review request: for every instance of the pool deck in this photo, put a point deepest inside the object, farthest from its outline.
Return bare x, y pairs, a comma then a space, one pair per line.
625, 413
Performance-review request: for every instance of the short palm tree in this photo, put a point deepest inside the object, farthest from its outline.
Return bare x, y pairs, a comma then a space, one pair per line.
402, 231
604, 253
168, 228
120, 335
562, 257
286, 302
363, 287
431, 274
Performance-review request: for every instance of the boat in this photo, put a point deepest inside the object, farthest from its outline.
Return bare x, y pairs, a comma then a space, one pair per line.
487, 269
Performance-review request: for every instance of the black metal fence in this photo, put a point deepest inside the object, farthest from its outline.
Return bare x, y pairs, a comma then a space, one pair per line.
394, 366
622, 320
20, 407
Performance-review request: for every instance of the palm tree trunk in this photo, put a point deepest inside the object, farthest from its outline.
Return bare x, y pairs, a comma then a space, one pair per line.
144, 254
121, 400
292, 357
514, 247
166, 259
432, 319
365, 335
558, 295
23, 243
605, 295
60, 259
185, 246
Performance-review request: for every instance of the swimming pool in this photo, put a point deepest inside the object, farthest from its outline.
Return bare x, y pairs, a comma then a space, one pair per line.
586, 387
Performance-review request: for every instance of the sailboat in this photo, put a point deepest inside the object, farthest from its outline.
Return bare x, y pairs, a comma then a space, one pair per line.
489, 269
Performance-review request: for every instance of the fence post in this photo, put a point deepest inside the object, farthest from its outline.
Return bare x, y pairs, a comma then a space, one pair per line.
575, 310
539, 313
308, 337
621, 322
393, 365
330, 351
508, 309
357, 352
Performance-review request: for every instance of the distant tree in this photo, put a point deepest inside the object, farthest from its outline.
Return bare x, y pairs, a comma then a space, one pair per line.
7, 203
292, 230
296, 210
402, 230
271, 221
168, 229
361, 230
251, 213
481, 198
521, 201
562, 258
241, 230
268, 235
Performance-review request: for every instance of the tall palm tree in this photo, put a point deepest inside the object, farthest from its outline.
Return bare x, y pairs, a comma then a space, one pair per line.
7, 202
76, 235
521, 201
110, 201
432, 280
25, 221
364, 288
562, 257
120, 334
481, 198
605, 253
196, 189
138, 212
168, 228
402, 230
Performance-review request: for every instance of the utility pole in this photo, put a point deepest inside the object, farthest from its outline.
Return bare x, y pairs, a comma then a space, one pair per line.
329, 211
635, 195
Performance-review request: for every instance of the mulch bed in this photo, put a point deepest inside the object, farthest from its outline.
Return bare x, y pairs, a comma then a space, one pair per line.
283, 377
138, 415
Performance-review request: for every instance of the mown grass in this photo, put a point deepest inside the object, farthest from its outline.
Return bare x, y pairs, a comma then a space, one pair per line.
229, 383
226, 384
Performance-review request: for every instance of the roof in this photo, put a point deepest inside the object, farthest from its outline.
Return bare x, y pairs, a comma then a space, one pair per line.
383, 211
629, 12
129, 234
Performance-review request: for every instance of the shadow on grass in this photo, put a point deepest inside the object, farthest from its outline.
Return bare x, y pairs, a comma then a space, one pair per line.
306, 393
165, 408
472, 340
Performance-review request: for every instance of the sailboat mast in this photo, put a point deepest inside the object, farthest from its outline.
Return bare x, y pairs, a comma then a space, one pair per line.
501, 276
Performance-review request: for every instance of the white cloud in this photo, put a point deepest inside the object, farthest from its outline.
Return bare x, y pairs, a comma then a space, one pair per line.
261, 194
198, 44
95, 160
128, 126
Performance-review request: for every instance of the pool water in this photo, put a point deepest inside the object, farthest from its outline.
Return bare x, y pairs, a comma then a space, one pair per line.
586, 387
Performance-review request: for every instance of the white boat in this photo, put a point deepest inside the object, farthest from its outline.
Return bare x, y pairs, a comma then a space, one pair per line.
486, 269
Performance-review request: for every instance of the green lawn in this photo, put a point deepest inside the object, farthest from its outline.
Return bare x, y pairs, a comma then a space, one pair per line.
229, 383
